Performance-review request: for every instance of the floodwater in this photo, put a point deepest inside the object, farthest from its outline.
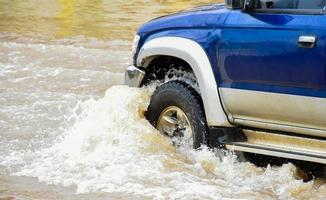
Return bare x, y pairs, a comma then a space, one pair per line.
67, 131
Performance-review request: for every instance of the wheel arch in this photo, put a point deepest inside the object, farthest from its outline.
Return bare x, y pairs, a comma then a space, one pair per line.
194, 55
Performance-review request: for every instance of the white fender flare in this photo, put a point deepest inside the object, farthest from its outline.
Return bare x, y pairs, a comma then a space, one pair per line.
195, 56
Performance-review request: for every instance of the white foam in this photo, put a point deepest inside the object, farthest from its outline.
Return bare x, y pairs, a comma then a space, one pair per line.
112, 148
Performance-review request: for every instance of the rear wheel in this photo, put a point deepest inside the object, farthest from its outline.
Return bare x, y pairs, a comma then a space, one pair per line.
176, 111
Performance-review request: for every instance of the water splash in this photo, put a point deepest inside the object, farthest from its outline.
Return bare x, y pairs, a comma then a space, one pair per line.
112, 148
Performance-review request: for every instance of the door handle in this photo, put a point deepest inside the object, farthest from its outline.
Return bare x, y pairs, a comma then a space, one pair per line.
307, 41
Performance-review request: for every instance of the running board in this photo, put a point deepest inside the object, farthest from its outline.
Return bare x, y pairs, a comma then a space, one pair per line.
285, 146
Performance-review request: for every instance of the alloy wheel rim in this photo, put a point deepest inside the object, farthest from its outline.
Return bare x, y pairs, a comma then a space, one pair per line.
173, 122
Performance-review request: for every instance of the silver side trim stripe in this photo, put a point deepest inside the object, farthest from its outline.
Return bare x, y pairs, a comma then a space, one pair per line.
276, 111
277, 152
286, 146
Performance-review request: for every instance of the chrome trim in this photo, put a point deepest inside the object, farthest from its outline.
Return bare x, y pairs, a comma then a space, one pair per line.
133, 76
307, 39
280, 145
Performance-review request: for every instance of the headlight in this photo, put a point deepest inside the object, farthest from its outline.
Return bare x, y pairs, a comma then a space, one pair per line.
135, 45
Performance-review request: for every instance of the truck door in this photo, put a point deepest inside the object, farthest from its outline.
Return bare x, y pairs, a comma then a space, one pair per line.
272, 67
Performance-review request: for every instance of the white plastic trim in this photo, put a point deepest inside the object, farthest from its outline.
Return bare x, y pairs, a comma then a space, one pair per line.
195, 56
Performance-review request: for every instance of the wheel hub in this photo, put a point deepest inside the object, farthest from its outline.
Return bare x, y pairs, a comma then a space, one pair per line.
174, 122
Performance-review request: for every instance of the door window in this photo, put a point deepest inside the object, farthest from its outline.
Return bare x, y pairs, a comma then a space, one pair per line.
298, 4
294, 5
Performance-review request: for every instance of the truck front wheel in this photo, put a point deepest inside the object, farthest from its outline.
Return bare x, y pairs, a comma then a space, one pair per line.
176, 110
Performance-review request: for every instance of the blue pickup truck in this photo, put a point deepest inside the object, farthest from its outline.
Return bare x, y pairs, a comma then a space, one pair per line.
247, 75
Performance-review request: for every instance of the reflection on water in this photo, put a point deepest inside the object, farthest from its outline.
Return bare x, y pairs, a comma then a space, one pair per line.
105, 19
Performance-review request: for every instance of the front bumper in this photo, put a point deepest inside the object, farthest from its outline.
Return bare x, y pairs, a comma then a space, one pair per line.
133, 76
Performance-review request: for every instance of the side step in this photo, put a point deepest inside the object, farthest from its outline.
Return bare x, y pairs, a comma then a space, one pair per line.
285, 146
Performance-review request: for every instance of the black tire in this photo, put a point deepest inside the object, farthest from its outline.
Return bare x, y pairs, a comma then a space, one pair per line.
183, 96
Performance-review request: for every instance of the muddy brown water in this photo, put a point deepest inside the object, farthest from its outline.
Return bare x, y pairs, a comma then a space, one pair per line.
67, 131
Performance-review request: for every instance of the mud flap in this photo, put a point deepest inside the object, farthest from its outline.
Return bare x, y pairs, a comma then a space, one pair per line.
219, 136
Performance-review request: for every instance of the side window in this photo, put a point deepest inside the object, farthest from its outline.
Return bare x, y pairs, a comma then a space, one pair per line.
285, 4
311, 4
292, 4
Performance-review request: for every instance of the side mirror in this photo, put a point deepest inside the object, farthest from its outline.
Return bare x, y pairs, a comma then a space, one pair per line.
250, 5
246, 5
235, 4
